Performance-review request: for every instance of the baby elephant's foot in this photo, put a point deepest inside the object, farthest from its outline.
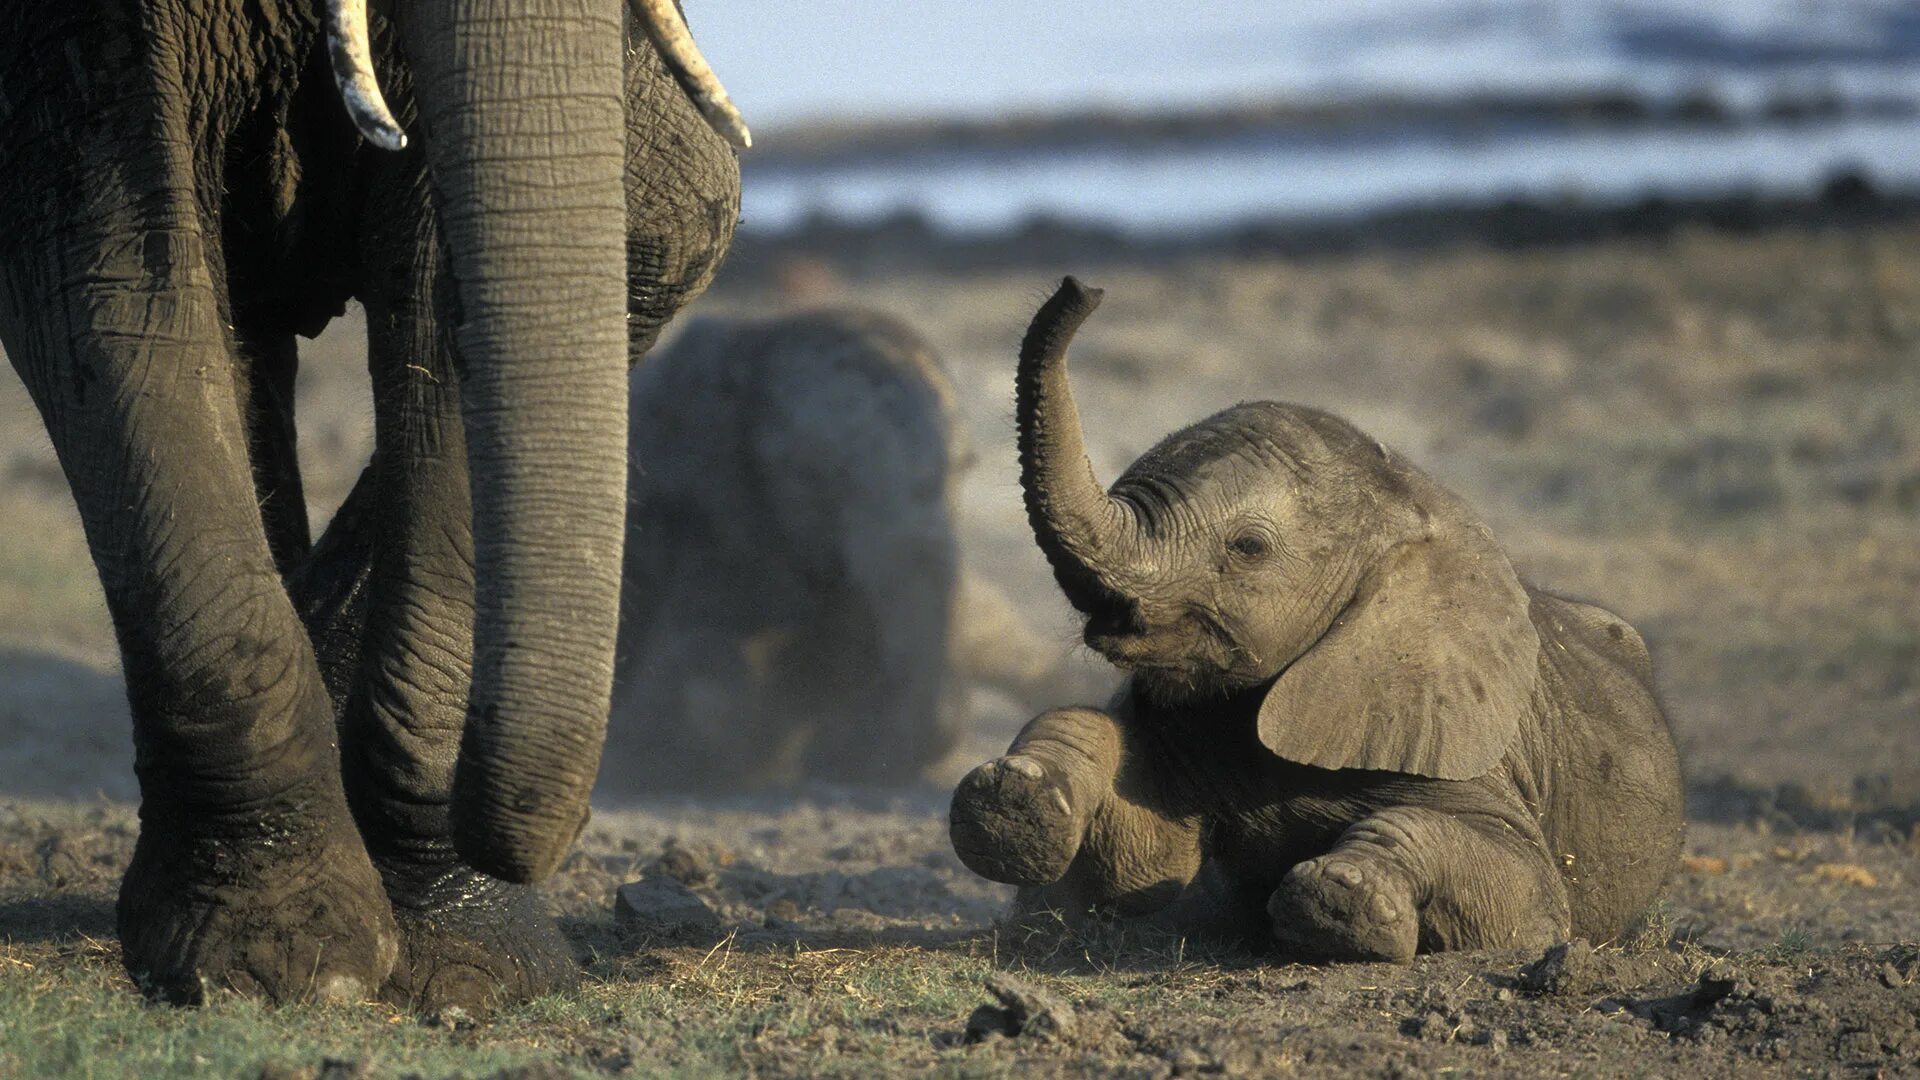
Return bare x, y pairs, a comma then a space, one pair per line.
1346, 907
1012, 821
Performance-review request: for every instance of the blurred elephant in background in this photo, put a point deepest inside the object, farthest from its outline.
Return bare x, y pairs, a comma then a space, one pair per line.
183, 194
796, 607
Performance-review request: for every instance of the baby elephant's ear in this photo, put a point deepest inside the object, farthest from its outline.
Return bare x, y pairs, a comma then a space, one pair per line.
1429, 671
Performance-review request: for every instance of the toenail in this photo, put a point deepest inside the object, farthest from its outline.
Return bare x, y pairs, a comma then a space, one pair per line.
1384, 909
1061, 801
1026, 767
1344, 874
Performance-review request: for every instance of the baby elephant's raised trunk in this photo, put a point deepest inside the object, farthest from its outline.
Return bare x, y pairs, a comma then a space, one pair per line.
1086, 534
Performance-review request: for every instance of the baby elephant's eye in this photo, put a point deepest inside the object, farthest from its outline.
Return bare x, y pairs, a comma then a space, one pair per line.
1249, 544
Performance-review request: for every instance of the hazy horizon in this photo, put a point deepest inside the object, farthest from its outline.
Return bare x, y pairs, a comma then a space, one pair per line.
856, 59
865, 60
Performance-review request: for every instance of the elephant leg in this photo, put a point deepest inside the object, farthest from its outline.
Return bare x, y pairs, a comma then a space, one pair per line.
271, 362
894, 648
1410, 879
466, 939
1072, 816
248, 873
332, 587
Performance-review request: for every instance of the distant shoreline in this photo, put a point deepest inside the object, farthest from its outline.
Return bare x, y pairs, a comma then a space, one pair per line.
909, 241
832, 145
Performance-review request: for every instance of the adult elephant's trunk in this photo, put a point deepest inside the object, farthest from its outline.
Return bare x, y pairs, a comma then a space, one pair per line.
1087, 535
521, 102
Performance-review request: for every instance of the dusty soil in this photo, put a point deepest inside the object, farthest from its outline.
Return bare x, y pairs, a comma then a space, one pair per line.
1717, 436
1776, 953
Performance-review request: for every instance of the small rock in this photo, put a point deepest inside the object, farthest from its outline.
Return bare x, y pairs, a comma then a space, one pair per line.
1688, 1014
1712, 989
1492, 1038
1433, 1025
1186, 1060
1704, 865
856, 919
680, 864
1847, 874
619, 1058
989, 1022
657, 904
1023, 1011
1563, 969
452, 1018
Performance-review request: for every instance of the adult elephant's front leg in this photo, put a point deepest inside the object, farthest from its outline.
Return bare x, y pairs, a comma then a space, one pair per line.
248, 873
466, 939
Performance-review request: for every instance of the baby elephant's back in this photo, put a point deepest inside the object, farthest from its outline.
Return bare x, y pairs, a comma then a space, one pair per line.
1611, 778
825, 443
791, 558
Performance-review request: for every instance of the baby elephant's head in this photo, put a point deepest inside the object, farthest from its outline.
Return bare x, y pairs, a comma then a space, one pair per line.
1268, 539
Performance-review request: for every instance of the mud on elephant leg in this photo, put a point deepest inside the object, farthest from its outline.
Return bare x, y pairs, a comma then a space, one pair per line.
1409, 879
465, 938
1069, 814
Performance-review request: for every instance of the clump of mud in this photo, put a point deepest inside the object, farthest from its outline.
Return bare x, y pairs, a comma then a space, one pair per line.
1851, 1011
1025, 1011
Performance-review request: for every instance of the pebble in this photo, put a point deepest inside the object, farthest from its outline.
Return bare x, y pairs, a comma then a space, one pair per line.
659, 904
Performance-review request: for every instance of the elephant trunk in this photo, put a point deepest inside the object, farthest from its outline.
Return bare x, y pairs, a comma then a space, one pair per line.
525, 132
1086, 534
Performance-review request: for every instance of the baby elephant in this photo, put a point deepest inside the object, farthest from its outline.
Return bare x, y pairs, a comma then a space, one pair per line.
1343, 702
791, 562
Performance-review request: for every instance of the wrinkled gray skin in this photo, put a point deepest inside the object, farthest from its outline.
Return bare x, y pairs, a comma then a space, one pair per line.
183, 195
1343, 705
791, 558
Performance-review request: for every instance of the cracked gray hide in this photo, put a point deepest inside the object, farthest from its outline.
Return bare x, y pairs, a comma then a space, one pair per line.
183, 195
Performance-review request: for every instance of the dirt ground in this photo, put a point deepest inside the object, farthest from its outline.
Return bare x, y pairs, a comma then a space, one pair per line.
1717, 436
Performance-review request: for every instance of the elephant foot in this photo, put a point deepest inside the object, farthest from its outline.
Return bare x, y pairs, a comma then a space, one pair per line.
1341, 907
472, 941
271, 909
1012, 821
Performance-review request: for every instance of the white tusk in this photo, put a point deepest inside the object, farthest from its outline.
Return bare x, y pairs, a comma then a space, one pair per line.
352, 56
674, 42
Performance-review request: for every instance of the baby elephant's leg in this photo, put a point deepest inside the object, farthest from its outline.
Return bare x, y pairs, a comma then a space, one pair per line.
1410, 879
1067, 812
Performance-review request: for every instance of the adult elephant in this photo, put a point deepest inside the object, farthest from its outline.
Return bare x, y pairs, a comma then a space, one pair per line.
358, 801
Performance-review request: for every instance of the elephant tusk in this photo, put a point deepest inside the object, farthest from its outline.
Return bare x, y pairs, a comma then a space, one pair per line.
352, 55
674, 42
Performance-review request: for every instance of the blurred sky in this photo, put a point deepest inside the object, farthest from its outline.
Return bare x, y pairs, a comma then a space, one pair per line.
891, 59
843, 58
